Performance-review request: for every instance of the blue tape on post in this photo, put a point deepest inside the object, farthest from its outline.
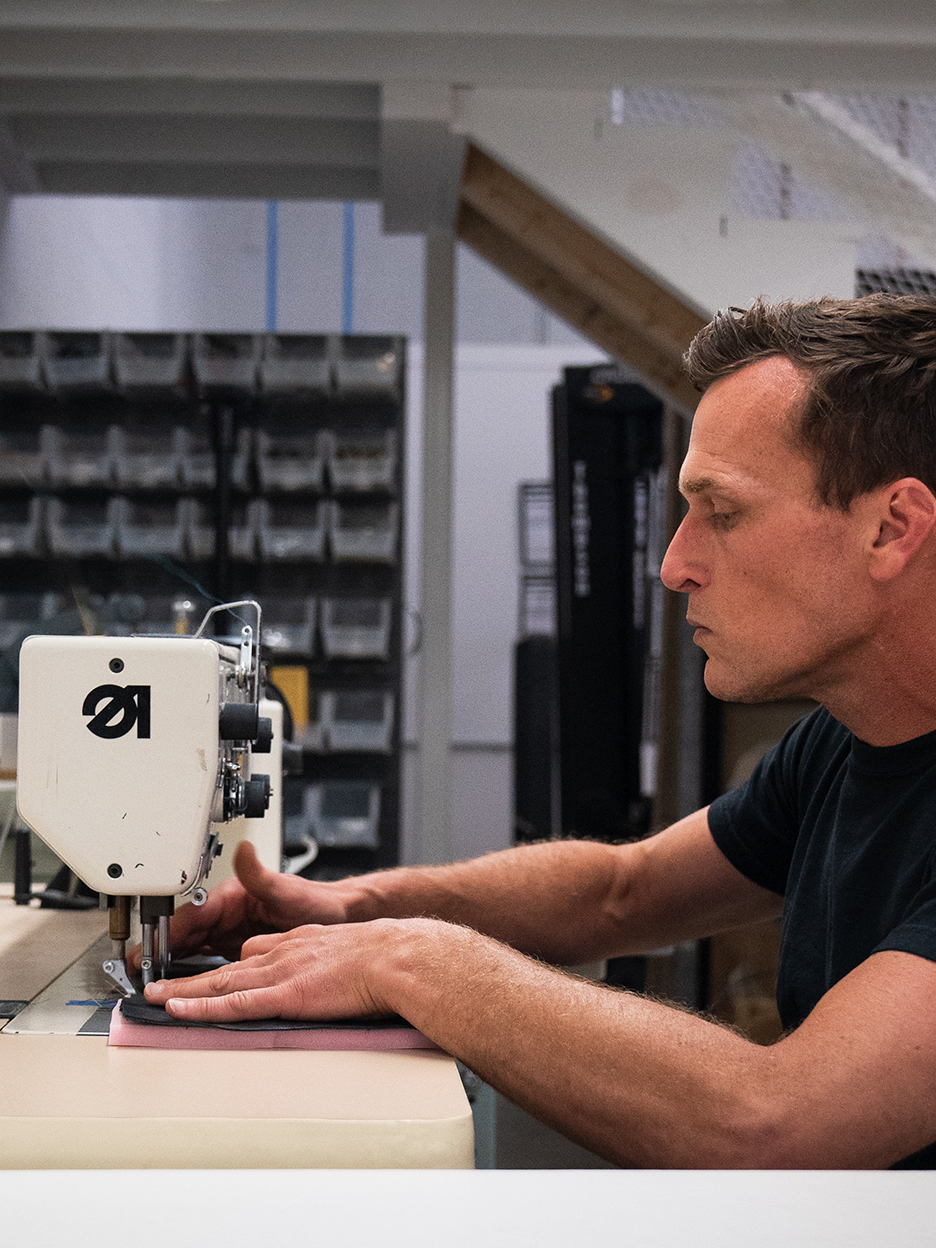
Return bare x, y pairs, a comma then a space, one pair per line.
272, 264
347, 271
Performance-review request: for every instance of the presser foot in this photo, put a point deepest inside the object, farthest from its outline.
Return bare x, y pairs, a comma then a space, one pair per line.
116, 970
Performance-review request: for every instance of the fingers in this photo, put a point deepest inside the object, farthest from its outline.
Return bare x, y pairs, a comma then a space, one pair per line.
264, 944
255, 877
245, 1004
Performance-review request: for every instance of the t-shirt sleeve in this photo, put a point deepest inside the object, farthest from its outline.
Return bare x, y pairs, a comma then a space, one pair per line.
755, 826
916, 932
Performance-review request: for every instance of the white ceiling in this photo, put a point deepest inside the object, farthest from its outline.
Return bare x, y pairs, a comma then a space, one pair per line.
282, 98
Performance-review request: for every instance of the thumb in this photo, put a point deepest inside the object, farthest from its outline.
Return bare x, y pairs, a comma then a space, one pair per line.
255, 877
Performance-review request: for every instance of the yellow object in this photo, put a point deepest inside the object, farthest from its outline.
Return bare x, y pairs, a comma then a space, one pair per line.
293, 683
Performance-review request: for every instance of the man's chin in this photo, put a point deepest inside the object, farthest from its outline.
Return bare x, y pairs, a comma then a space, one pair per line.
729, 686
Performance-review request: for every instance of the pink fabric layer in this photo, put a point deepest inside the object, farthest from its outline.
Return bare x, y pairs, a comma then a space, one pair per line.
144, 1036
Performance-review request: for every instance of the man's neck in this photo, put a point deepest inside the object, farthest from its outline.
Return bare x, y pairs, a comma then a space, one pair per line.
892, 700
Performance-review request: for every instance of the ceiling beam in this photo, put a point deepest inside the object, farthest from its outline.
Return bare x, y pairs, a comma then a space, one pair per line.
40, 95
577, 275
783, 60
208, 140
203, 181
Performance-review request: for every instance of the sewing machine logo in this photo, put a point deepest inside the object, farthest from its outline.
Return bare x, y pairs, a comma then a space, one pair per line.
125, 706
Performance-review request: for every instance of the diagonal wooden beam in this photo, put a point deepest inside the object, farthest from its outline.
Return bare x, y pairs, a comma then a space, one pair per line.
577, 275
661, 366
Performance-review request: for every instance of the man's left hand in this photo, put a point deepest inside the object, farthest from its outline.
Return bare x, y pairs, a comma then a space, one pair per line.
312, 972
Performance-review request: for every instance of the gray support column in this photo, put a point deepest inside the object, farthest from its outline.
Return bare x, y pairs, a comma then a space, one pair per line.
435, 761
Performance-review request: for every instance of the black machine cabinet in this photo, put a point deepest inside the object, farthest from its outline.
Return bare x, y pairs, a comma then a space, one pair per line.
607, 441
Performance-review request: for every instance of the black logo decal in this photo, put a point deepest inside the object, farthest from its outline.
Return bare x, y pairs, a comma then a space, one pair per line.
131, 704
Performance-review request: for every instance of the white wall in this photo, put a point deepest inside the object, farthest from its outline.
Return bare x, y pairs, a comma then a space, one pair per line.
70, 262
502, 437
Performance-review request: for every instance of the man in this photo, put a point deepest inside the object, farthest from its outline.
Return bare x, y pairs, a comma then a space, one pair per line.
808, 554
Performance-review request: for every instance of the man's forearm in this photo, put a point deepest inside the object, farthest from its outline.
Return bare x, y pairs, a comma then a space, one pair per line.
574, 901
553, 900
639, 1082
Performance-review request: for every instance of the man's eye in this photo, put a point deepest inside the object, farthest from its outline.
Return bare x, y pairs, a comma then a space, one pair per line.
722, 519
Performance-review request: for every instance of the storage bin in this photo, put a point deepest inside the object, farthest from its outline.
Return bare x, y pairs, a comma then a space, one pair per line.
226, 362
21, 360
357, 719
355, 628
290, 531
296, 366
289, 461
289, 623
369, 366
77, 361
149, 458
363, 531
79, 529
343, 814
21, 522
86, 458
24, 456
151, 365
148, 527
363, 460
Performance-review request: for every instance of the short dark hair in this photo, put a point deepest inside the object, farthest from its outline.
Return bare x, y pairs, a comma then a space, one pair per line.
869, 416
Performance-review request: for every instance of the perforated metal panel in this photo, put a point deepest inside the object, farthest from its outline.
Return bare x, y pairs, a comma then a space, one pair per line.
765, 188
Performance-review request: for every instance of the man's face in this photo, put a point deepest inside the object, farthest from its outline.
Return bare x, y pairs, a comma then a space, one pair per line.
777, 583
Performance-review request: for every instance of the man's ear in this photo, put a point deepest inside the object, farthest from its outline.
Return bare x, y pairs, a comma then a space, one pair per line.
904, 513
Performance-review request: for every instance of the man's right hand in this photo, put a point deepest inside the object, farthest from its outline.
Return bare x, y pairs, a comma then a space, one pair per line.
257, 902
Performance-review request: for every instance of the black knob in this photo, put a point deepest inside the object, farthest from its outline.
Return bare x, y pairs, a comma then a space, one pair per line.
263, 742
238, 721
257, 797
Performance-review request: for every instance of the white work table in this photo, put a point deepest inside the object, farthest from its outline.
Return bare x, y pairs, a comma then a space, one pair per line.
73, 1102
479, 1209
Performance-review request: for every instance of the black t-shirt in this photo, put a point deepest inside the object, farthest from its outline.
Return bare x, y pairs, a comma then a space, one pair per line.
845, 832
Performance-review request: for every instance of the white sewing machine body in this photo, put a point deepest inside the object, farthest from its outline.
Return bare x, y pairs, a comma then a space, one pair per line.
120, 757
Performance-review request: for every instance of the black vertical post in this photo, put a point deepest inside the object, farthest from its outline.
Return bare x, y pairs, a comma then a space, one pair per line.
22, 867
224, 447
607, 442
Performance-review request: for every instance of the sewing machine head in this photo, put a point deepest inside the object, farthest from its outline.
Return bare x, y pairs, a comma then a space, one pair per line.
131, 749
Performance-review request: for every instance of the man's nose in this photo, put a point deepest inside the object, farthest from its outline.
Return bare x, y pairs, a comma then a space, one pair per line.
675, 571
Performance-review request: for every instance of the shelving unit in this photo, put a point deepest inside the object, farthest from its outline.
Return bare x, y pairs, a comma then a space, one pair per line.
144, 475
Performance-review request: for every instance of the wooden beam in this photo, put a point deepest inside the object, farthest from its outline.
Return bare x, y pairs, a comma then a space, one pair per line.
576, 274
661, 367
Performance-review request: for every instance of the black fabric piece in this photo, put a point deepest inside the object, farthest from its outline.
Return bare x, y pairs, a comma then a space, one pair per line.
140, 1011
99, 1022
845, 832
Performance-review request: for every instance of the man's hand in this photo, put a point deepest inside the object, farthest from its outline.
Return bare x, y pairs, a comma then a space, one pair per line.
311, 972
257, 901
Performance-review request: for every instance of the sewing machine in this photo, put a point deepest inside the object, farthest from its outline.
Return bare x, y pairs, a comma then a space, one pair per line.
133, 754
